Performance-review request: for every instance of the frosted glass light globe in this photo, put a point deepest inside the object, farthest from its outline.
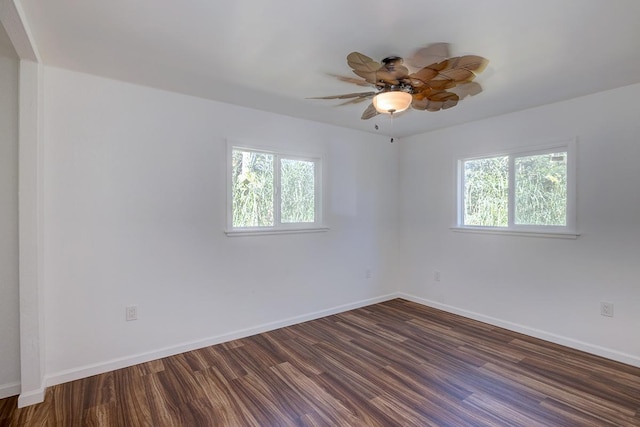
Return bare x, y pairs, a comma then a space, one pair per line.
392, 102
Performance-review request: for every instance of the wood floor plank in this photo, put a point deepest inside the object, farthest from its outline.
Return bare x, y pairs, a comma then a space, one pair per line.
357, 403
327, 408
586, 403
395, 363
268, 401
574, 416
228, 408
133, 407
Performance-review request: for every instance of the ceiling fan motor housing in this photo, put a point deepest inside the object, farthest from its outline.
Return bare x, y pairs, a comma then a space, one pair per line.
391, 61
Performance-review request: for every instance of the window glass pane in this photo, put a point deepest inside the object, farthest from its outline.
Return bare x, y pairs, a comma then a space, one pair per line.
486, 192
252, 189
297, 191
541, 189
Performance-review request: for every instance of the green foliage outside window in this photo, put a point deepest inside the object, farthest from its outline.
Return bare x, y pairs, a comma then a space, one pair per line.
253, 189
541, 189
298, 191
486, 192
540, 193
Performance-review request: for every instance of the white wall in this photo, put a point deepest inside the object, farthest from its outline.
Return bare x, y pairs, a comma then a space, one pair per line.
9, 289
135, 212
546, 287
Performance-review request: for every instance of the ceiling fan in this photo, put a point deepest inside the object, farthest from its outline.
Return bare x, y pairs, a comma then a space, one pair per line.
433, 82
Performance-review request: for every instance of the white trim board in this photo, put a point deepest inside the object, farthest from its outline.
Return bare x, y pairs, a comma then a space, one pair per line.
31, 397
597, 350
9, 389
123, 362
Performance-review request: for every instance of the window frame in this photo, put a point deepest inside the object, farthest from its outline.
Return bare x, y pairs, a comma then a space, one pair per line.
278, 227
563, 231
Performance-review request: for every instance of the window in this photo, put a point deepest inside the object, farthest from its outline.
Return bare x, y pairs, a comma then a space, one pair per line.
273, 192
529, 191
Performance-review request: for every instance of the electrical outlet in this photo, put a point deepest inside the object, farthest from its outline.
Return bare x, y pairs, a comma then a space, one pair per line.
131, 312
606, 309
436, 276
367, 273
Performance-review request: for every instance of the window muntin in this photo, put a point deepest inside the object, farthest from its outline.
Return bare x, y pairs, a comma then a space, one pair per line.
531, 190
271, 191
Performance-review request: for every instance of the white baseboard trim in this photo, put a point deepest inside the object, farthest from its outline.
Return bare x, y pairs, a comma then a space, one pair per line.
123, 362
597, 350
31, 397
9, 389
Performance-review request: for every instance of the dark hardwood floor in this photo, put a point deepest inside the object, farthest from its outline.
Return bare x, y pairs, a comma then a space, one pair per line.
391, 364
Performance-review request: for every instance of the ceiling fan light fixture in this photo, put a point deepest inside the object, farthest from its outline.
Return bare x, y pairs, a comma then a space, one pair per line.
392, 102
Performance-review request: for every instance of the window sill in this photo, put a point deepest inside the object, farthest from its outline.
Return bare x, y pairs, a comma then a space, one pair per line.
525, 233
267, 232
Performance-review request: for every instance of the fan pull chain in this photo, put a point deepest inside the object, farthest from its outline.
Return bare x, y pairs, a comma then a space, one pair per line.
391, 136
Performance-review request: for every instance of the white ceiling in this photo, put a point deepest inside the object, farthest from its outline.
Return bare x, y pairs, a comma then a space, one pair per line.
272, 55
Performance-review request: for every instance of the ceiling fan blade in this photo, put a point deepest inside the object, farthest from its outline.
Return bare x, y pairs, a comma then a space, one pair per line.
449, 103
369, 76
422, 77
449, 73
467, 89
431, 106
363, 66
443, 96
430, 54
457, 75
369, 112
435, 101
353, 80
346, 95
425, 104
355, 100
458, 70
441, 83
360, 62
439, 66
473, 63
